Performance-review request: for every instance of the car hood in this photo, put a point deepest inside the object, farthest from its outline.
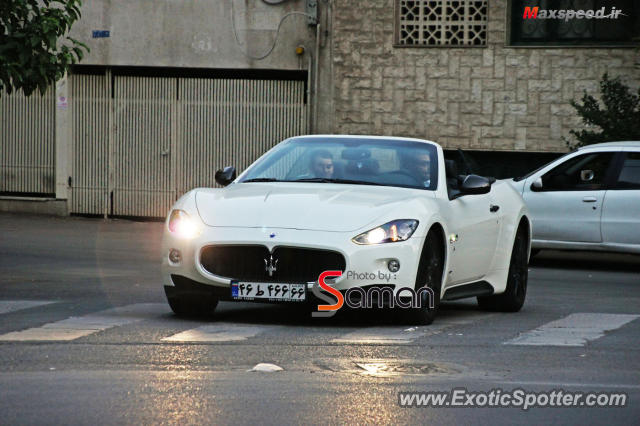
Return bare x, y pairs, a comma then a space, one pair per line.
309, 206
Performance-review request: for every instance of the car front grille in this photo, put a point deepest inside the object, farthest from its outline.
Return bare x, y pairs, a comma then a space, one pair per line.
251, 263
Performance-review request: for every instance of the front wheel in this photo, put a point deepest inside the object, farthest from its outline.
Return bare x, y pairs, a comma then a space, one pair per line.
430, 275
513, 297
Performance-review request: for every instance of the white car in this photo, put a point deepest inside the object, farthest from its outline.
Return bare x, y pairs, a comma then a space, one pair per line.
384, 212
588, 199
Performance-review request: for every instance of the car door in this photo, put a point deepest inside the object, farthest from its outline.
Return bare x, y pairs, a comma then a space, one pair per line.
474, 226
567, 206
621, 208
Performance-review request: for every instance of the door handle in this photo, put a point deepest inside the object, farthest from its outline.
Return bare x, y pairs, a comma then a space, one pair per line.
589, 199
493, 208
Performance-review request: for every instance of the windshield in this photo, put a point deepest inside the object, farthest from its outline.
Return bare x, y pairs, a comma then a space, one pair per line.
531, 173
365, 161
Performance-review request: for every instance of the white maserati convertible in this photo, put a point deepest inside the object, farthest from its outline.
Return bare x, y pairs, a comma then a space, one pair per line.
392, 220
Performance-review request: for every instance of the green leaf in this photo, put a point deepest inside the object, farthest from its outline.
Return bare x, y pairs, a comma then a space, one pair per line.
78, 53
32, 56
617, 119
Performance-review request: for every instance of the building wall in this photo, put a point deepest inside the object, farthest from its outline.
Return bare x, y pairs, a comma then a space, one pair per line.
488, 98
194, 34
200, 34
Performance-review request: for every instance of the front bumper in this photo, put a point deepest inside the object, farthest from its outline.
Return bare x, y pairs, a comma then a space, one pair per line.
186, 287
365, 265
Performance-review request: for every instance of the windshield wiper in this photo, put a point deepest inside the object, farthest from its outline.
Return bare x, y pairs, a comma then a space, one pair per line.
331, 180
265, 179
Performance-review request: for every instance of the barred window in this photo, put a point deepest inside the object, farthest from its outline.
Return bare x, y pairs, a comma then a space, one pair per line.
555, 22
441, 22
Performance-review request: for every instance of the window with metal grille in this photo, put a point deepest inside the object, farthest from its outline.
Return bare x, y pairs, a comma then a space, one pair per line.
555, 22
441, 22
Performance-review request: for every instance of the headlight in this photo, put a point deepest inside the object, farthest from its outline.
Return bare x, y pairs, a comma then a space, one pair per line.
391, 232
181, 224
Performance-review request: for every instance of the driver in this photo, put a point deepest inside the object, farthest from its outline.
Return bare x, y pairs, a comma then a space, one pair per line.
419, 166
321, 165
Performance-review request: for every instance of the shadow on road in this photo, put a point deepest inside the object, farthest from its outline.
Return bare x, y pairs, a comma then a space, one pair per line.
283, 314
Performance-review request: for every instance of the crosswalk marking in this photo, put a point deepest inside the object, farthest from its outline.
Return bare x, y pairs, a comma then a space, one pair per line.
7, 306
381, 335
406, 335
216, 333
229, 332
76, 327
573, 330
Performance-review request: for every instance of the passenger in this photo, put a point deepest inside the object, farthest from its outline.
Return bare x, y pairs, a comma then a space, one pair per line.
321, 165
419, 166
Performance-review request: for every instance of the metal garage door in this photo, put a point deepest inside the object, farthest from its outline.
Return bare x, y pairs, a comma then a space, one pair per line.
27, 143
233, 122
143, 183
90, 112
142, 143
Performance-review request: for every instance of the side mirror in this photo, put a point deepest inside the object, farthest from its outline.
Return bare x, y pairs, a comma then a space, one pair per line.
474, 184
225, 176
587, 175
537, 185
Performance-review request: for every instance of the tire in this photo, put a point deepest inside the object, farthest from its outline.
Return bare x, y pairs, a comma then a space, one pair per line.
534, 252
429, 273
513, 297
193, 305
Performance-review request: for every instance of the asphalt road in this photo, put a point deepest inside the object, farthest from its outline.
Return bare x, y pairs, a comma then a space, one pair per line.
119, 356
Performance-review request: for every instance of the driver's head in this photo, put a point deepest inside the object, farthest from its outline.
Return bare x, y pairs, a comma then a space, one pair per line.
419, 165
322, 163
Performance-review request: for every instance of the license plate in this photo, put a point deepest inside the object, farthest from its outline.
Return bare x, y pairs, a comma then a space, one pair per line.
268, 291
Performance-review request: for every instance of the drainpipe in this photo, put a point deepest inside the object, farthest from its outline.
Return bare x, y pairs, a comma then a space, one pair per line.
315, 80
308, 91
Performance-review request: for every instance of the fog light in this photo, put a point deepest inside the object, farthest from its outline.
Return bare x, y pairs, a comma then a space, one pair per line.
394, 265
175, 256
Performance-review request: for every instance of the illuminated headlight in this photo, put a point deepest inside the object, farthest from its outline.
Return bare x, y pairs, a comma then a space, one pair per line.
181, 224
391, 232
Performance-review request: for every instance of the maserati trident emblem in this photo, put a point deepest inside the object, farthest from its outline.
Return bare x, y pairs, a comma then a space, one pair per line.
270, 265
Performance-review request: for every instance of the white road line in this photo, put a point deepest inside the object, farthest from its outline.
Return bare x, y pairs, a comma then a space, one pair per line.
573, 330
406, 335
76, 327
7, 306
381, 335
216, 333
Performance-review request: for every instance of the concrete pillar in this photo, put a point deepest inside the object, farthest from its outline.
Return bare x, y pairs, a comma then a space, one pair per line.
64, 143
325, 97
